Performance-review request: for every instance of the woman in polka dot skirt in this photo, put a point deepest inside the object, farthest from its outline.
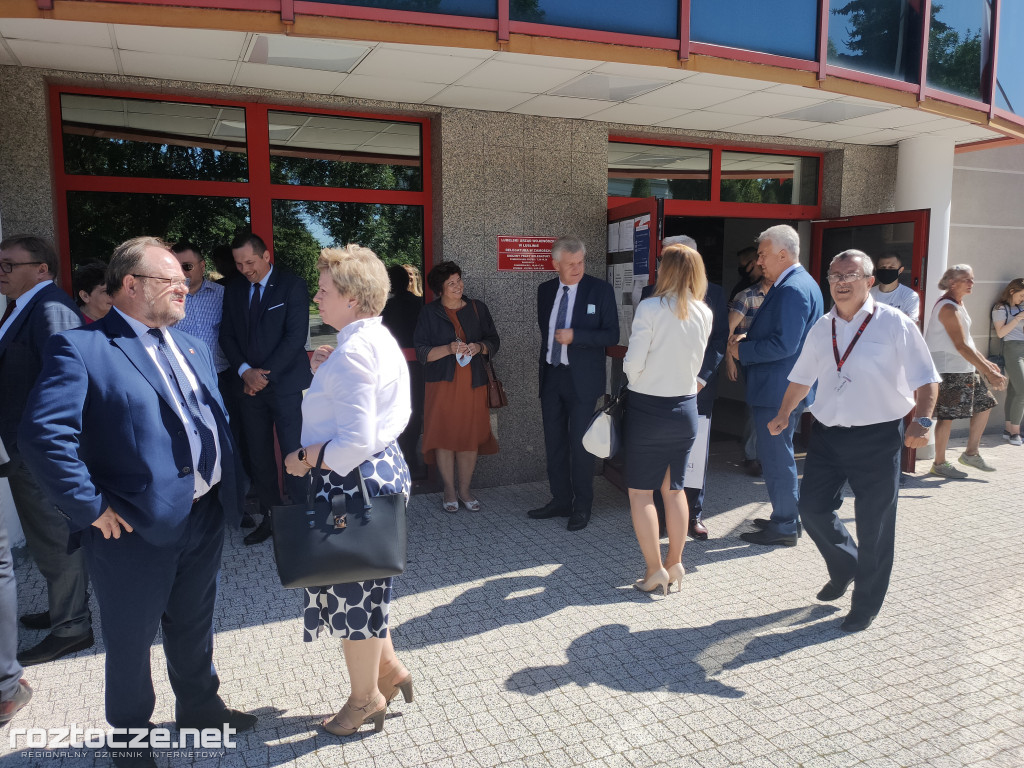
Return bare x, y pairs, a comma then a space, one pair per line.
357, 406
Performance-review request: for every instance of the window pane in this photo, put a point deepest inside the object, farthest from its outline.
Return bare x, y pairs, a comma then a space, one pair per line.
876, 240
301, 229
106, 136
655, 18
487, 9
100, 221
880, 37
955, 57
646, 170
781, 27
323, 151
771, 179
1010, 83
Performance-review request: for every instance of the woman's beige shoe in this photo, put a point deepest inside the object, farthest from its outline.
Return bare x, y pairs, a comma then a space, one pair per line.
675, 576
659, 578
389, 686
374, 712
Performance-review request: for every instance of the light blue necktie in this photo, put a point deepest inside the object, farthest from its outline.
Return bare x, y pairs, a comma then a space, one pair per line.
563, 309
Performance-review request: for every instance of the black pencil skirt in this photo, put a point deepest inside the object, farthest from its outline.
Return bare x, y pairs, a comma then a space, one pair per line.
660, 432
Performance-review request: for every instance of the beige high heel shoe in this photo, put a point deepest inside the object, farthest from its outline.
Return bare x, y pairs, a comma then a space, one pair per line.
675, 576
658, 579
389, 686
357, 715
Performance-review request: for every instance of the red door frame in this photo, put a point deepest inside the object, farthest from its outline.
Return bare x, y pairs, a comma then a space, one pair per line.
259, 189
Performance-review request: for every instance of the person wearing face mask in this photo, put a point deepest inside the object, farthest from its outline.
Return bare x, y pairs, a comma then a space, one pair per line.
452, 334
889, 290
749, 270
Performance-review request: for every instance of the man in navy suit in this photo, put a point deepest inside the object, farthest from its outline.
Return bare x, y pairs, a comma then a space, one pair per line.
574, 330
707, 380
263, 334
128, 428
768, 351
37, 309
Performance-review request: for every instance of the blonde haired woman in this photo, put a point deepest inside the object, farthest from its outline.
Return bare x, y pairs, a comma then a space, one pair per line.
356, 407
666, 347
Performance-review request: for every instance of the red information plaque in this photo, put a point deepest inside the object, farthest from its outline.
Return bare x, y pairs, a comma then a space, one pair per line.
525, 254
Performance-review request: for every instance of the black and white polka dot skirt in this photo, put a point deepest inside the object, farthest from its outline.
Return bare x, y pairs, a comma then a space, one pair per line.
357, 610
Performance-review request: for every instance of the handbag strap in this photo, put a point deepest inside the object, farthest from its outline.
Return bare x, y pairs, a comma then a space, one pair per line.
310, 493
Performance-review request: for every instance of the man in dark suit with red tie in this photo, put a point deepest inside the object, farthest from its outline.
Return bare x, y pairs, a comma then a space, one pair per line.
263, 335
578, 318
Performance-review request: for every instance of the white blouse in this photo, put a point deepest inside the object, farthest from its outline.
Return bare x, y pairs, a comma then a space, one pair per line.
665, 353
359, 398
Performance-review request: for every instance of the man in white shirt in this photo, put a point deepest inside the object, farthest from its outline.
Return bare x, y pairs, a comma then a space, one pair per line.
889, 290
872, 366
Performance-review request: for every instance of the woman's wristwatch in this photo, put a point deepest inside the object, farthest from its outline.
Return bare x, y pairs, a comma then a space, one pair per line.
302, 457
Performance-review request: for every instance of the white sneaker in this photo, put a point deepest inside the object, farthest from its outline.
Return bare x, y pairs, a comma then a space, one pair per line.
1016, 440
976, 461
945, 469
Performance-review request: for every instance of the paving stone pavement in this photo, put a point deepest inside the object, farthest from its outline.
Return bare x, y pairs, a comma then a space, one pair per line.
529, 648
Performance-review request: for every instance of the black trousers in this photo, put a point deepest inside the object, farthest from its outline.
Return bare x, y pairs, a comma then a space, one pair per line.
570, 466
869, 458
262, 413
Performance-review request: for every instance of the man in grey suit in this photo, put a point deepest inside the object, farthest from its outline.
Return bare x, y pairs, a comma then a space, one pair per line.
37, 309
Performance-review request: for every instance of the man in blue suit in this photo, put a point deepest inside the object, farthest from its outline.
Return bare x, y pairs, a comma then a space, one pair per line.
768, 351
128, 429
707, 380
263, 334
37, 309
574, 332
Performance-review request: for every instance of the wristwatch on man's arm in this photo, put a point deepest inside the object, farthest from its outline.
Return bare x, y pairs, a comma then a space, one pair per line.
925, 422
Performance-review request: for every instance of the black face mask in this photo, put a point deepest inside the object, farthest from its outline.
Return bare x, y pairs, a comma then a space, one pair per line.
744, 272
886, 276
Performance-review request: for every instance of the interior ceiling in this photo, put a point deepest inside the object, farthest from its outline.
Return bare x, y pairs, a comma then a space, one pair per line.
472, 79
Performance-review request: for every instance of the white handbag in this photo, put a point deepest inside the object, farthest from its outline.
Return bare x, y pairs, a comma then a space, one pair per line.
604, 433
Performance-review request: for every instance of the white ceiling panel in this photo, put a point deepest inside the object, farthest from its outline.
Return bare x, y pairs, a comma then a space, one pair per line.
199, 43
967, 133
826, 132
436, 50
704, 121
762, 103
641, 70
561, 106
77, 58
641, 114
421, 67
892, 118
516, 77
478, 98
5, 57
56, 31
287, 78
387, 89
818, 94
577, 65
880, 138
177, 67
686, 95
733, 83
771, 126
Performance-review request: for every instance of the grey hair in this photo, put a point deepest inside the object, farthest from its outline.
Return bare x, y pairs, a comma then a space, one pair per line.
567, 245
953, 274
783, 236
686, 240
853, 254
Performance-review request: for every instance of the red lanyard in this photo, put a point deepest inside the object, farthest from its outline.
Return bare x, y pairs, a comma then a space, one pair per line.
853, 342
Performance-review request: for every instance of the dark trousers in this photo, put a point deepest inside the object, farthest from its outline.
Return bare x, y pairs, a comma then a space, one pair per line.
261, 414
570, 467
10, 669
140, 588
775, 452
409, 440
869, 458
46, 535
230, 386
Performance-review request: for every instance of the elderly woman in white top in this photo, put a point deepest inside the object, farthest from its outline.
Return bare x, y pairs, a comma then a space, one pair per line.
666, 347
962, 392
356, 407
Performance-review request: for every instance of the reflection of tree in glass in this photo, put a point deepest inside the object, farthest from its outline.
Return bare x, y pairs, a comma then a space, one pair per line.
99, 221
883, 37
954, 58
96, 156
769, 191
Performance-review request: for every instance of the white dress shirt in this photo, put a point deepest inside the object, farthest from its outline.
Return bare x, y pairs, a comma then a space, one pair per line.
881, 374
359, 398
568, 318
195, 444
903, 298
665, 353
20, 303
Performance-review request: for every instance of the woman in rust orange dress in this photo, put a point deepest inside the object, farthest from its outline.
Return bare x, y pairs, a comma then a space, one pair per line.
452, 336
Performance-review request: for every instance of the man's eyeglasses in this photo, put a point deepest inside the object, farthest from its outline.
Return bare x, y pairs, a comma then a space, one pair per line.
188, 267
8, 266
170, 282
850, 278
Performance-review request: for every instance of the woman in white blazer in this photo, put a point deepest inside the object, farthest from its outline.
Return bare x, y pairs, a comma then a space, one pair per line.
666, 347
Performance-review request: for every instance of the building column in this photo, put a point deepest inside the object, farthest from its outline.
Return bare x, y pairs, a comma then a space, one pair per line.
924, 179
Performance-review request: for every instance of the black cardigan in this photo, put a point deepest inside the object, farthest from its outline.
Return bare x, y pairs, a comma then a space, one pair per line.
434, 329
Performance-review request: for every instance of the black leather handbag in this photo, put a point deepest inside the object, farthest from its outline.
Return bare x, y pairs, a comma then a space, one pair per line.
350, 538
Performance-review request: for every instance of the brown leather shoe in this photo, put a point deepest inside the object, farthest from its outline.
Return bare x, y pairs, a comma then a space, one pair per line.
697, 530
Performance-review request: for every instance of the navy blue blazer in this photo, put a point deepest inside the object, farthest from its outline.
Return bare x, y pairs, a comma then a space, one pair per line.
100, 429
595, 325
715, 350
776, 336
48, 312
281, 330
